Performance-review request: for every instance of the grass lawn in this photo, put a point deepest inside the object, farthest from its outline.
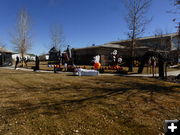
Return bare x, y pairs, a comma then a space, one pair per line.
55, 104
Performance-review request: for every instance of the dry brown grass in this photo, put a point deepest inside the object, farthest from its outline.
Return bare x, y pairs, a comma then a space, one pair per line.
55, 104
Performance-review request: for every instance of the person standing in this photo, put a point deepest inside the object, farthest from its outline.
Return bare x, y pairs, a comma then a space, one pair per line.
153, 60
17, 61
37, 63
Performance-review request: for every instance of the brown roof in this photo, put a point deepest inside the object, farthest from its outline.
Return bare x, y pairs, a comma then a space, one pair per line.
4, 50
149, 37
109, 45
126, 43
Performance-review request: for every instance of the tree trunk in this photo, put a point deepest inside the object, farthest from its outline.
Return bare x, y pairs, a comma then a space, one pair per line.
22, 59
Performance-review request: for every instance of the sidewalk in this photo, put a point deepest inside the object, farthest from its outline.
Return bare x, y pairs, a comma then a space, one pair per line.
170, 73
31, 70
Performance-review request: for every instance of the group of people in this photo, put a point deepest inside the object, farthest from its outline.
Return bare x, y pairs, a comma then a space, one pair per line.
25, 61
20, 60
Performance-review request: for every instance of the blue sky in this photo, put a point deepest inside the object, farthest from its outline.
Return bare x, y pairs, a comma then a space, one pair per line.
85, 22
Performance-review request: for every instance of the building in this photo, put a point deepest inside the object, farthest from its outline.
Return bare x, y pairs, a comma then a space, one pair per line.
168, 43
84, 56
30, 57
54, 54
44, 57
5, 57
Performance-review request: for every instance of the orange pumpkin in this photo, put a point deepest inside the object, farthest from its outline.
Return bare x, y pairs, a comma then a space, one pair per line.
97, 65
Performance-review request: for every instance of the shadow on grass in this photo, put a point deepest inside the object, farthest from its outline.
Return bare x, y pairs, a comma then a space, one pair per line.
56, 107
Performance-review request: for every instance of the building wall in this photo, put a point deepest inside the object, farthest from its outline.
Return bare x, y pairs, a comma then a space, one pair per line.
44, 57
175, 42
5, 59
161, 43
106, 57
175, 56
26, 56
85, 56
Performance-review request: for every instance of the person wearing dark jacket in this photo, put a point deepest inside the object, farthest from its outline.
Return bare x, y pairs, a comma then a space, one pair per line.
17, 62
37, 63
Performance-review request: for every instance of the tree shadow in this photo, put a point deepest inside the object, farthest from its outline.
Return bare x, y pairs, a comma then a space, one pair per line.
57, 107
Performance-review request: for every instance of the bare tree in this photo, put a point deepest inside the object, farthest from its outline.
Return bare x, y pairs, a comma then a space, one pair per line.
136, 22
21, 38
57, 37
176, 4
